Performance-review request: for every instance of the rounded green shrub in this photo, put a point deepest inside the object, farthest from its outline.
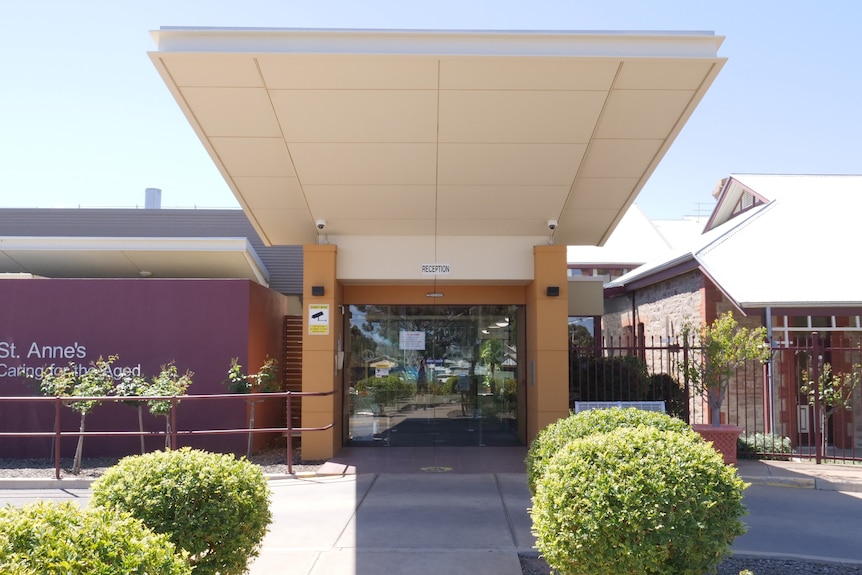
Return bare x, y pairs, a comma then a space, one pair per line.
637, 501
550, 440
214, 506
47, 538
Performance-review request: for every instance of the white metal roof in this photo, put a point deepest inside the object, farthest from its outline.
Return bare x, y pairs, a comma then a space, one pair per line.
799, 250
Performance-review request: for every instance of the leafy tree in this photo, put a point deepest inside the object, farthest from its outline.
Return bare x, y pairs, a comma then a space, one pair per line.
724, 347
492, 352
80, 381
834, 391
264, 381
581, 338
167, 384
134, 386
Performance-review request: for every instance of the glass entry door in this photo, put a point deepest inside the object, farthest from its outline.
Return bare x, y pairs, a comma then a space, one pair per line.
432, 375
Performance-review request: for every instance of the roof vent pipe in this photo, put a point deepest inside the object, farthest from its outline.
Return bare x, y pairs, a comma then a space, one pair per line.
153, 200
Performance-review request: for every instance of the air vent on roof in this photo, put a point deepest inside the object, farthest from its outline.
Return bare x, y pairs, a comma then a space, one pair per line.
153, 200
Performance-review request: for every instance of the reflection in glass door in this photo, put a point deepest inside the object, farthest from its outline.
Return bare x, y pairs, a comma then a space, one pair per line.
432, 375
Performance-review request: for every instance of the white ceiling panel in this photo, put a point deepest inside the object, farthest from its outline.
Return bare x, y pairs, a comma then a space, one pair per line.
251, 112
346, 202
385, 226
525, 73
508, 227
220, 70
509, 164
362, 164
619, 158
582, 227
272, 192
357, 115
642, 114
254, 157
495, 202
663, 74
519, 116
600, 193
283, 224
348, 72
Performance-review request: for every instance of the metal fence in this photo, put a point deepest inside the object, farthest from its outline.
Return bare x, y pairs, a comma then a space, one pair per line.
172, 437
805, 402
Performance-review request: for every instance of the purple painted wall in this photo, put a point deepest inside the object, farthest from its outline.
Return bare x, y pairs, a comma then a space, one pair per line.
198, 324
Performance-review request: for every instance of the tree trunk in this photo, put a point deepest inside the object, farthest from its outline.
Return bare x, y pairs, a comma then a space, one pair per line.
76, 464
168, 432
250, 426
716, 398
141, 427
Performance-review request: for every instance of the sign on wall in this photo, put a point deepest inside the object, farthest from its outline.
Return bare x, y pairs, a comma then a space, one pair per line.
318, 319
436, 269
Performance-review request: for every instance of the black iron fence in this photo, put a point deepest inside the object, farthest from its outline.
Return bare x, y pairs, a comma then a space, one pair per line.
805, 402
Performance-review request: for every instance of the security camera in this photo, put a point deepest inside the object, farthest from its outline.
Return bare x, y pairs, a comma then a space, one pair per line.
321, 224
552, 224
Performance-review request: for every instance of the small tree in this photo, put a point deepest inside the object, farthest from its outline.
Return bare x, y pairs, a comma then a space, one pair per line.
80, 381
167, 384
492, 354
134, 386
834, 391
724, 347
264, 381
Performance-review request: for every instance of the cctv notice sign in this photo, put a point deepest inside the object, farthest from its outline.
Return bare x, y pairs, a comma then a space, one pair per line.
318, 319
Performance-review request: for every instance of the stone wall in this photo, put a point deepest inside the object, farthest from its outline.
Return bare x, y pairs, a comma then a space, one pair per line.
662, 308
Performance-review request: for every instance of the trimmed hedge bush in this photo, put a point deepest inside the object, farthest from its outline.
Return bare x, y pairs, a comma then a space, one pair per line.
211, 505
45, 538
637, 501
550, 440
763, 446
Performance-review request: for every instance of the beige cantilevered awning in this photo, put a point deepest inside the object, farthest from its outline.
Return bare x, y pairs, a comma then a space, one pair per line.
435, 133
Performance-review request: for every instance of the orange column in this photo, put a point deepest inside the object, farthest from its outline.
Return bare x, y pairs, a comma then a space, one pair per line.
320, 342
547, 366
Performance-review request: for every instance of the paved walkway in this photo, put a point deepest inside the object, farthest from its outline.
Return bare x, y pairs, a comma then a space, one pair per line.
424, 511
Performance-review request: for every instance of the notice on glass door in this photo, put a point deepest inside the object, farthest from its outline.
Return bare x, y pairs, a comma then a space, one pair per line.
318, 319
411, 340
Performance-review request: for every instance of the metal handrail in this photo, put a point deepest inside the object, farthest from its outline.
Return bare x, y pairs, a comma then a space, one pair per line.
59, 401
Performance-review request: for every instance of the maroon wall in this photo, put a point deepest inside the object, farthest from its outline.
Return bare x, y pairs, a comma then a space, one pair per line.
198, 324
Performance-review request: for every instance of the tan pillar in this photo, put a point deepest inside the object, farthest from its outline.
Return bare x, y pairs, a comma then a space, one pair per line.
319, 347
547, 366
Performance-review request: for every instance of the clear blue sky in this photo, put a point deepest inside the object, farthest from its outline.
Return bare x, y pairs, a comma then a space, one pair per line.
86, 120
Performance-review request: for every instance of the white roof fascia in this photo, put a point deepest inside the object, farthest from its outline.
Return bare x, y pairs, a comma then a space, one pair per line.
691, 44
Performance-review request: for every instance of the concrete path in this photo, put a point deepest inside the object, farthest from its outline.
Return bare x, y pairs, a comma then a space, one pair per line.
437, 513
398, 523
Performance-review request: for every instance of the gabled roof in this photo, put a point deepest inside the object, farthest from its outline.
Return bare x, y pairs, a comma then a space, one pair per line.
793, 252
636, 240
